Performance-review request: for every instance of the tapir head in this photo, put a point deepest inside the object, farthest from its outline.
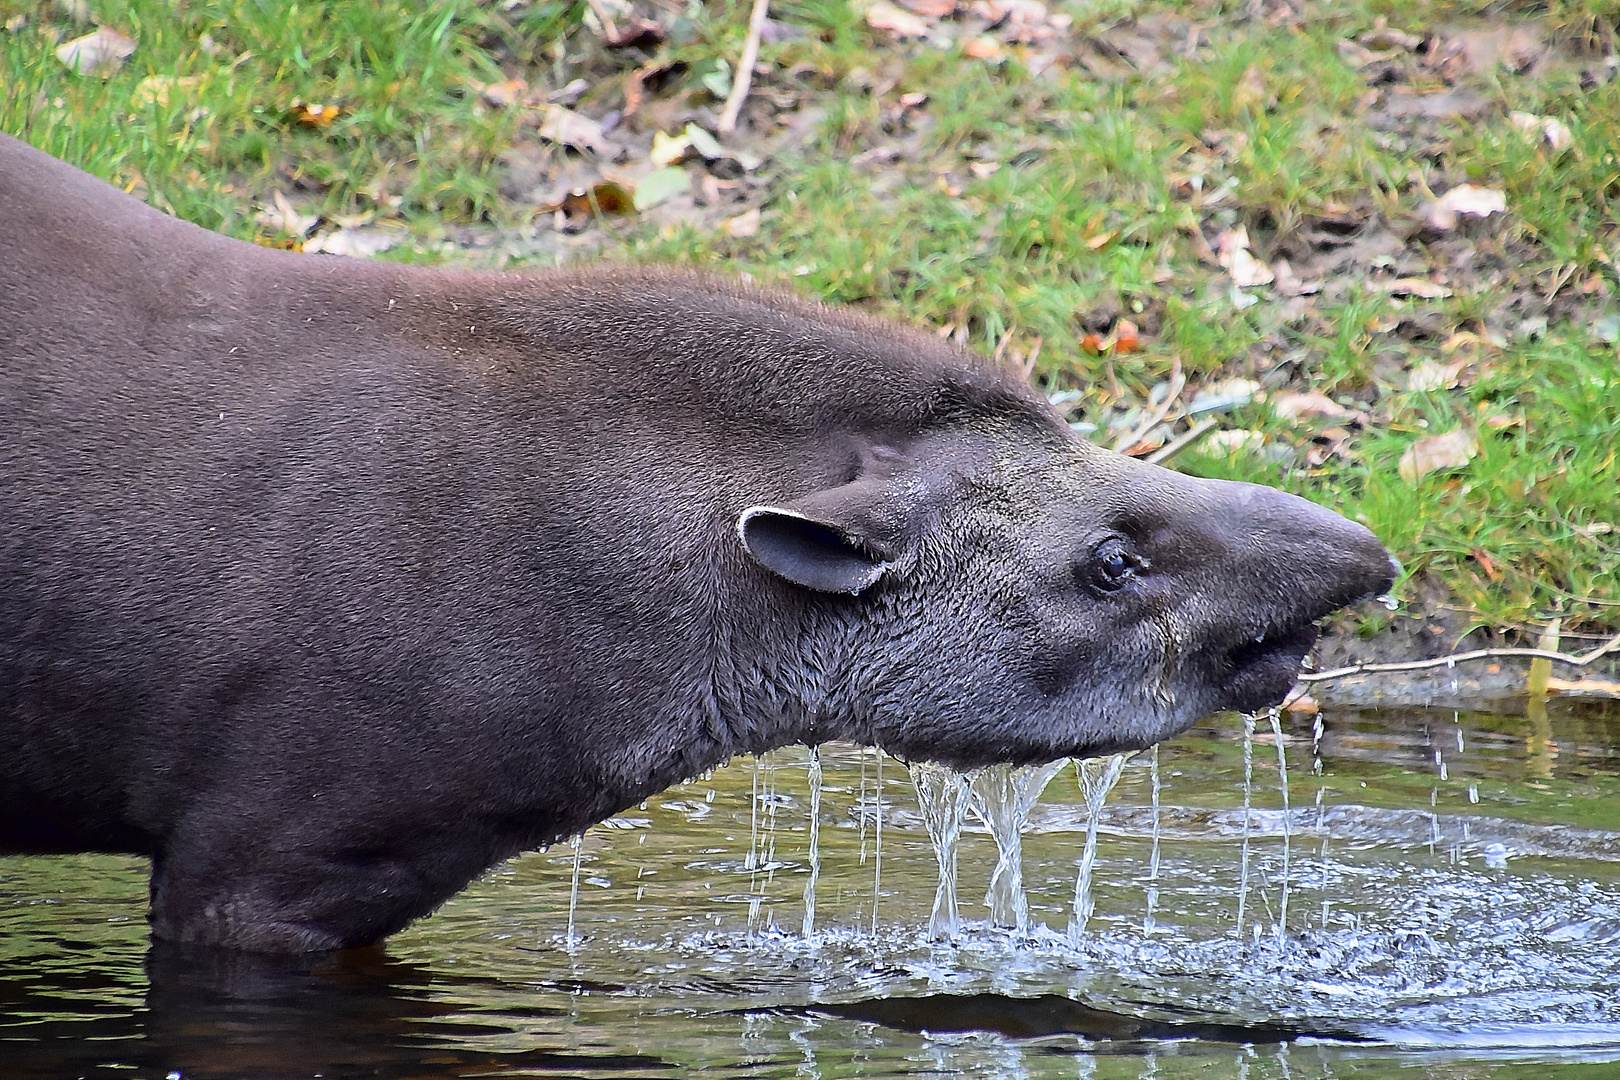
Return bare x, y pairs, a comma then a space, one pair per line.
977, 597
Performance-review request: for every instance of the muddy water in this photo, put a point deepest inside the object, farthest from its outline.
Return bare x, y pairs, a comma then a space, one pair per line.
1453, 885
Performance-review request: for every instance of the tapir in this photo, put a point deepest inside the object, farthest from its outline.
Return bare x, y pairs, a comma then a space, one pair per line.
327, 584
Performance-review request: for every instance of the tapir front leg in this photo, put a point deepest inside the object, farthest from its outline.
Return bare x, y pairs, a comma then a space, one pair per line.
241, 881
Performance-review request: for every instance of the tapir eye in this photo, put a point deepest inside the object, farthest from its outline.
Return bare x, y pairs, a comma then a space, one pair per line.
1111, 565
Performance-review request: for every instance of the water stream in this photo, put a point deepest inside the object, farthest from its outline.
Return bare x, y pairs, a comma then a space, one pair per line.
1097, 778
1001, 796
813, 780
942, 796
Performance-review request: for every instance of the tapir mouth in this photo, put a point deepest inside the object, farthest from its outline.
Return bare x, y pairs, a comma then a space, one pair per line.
1263, 671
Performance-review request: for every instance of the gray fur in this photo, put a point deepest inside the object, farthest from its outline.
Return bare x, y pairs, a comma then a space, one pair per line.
327, 584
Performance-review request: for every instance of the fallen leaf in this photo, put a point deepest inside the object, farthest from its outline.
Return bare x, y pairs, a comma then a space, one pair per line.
1464, 199
983, 47
100, 52
1422, 288
1486, 563
895, 20
1382, 37
574, 129
1092, 343
1288, 282
668, 149
1558, 135
1452, 450
984, 169
281, 217
1358, 55
1127, 337
1232, 441
159, 89
717, 80
360, 243
1023, 21
1312, 403
313, 115
1429, 375
504, 95
933, 9
606, 199
660, 186
1232, 248
1224, 396
745, 224
705, 144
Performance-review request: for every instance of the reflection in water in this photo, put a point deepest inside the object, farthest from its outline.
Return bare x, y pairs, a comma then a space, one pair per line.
210, 1014
1501, 945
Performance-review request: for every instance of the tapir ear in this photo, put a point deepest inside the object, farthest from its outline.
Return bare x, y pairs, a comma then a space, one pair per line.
819, 555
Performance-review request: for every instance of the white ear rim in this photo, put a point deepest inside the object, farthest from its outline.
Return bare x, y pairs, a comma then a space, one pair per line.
867, 580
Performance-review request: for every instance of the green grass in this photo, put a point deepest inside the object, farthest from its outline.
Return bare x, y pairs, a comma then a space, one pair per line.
1091, 216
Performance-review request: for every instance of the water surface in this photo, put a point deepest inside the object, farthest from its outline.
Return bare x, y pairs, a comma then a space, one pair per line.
1453, 904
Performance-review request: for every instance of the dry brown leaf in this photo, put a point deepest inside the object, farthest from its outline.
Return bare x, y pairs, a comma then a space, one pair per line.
1288, 282
745, 224
1422, 288
606, 198
983, 47
1382, 37
281, 217
1464, 199
1452, 450
1312, 403
311, 115
895, 20
1358, 55
1232, 246
1431, 375
504, 95
574, 129
933, 9
361, 243
100, 52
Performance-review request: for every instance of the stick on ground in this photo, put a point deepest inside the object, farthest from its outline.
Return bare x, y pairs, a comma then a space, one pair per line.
745, 69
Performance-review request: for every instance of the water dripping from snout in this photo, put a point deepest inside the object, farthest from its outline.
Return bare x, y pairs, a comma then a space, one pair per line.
1282, 783
877, 839
1002, 796
942, 796
1148, 922
1248, 802
571, 942
815, 842
1097, 778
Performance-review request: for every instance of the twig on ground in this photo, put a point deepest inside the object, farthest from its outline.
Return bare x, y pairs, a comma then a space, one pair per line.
745, 69
1457, 658
1177, 383
1182, 441
610, 32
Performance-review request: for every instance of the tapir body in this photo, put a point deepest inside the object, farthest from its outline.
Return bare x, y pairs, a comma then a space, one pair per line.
327, 584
